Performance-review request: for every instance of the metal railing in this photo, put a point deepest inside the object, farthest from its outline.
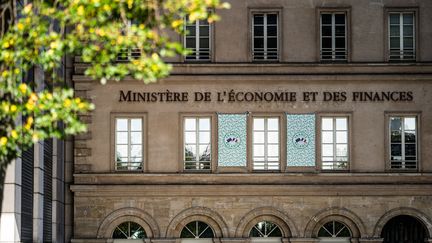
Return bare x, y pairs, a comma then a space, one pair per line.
338, 54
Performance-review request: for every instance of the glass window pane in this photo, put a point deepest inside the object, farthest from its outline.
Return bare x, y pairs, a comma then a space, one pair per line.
204, 151
327, 150
410, 123
340, 18
273, 150
341, 124
408, 43
259, 30
204, 137
272, 42
341, 150
121, 151
410, 137
258, 150
190, 151
327, 123
326, 31
326, 18
204, 31
258, 124
340, 30
272, 31
273, 124
341, 137
136, 151
190, 137
395, 123
408, 30
395, 42
410, 150
136, 125
204, 124
273, 137
136, 138
122, 138
204, 43
258, 137
121, 124
394, 30
327, 137
258, 42
408, 18
396, 150
394, 19
190, 124
340, 42
190, 43
326, 42
396, 137
258, 19
271, 18
190, 30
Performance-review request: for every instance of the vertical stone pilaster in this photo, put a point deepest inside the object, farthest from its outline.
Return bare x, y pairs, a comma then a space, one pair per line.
10, 218
38, 193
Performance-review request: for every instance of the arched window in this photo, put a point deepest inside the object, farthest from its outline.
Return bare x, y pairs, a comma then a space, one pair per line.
404, 228
265, 229
334, 231
197, 230
129, 230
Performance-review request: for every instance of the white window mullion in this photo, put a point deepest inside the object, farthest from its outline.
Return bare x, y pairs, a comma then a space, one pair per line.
333, 26
265, 36
197, 38
401, 35
129, 147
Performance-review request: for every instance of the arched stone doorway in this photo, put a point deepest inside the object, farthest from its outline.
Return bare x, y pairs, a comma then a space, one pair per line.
404, 229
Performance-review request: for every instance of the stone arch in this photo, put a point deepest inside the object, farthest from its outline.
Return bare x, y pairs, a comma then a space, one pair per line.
422, 217
266, 213
343, 215
206, 215
128, 214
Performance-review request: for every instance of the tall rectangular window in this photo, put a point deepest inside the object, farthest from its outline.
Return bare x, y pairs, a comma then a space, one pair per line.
402, 36
265, 36
197, 143
333, 36
334, 143
129, 143
403, 142
265, 143
197, 40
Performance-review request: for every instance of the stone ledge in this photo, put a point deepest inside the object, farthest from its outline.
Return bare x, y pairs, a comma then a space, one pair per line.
142, 178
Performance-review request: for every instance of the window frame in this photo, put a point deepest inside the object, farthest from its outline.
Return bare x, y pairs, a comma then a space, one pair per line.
272, 10
387, 142
349, 130
113, 117
266, 144
282, 140
387, 12
213, 142
211, 42
335, 10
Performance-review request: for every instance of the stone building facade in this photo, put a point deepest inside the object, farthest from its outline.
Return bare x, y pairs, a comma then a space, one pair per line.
290, 121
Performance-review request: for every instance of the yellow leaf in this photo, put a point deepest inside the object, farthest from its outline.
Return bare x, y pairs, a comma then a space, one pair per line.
80, 10
13, 108
20, 26
14, 134
22, 88
6, 45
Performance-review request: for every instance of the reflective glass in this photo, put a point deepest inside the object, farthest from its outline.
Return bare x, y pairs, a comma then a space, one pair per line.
121, 124
341, 137
410, 123
190, 124
258, 124
136, 138
204, 137
395, 123
394, 19
136, 150
273, 137
341, 124
136, 125
327, 150
273, 150
204, 124
327, 124
190, 153
190, 137
327, 137
122, 138
258, 150
341, 150
258, 137
273, 124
